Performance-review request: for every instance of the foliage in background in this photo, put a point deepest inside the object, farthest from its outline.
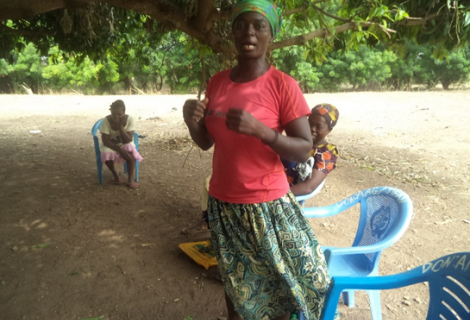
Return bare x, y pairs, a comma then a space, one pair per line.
27, 69
86, 76
454, 69
142, 45
176, 65
92, 28
376, 68
292, 61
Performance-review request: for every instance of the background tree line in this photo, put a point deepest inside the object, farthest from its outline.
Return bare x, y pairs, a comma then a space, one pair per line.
177, 66
101, 46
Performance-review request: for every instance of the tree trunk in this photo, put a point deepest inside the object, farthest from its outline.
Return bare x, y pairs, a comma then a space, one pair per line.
445, 85
127, 84
159, 83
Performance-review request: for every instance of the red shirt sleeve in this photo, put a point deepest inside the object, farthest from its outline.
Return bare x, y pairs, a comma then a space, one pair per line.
292, 100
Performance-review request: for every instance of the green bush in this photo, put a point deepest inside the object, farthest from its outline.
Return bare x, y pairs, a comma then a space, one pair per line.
177, 64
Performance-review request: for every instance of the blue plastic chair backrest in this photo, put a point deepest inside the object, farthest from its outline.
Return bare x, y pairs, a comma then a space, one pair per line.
381, 216
385, 214
448, 279
96, 127
449, 286
94, 132
136, 141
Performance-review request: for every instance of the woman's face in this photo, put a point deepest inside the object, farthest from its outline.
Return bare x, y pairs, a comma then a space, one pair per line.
318, 127
117, 114
251, 34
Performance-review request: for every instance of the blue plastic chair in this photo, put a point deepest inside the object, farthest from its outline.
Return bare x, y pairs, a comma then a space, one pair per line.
385, 214
99, 164
448, 279
301, 199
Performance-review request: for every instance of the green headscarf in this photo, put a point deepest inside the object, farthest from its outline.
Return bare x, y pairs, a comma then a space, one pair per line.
263, 7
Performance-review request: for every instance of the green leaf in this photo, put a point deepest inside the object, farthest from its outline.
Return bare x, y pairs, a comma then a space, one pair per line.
42, 245
466, 21
305, 54
188, 47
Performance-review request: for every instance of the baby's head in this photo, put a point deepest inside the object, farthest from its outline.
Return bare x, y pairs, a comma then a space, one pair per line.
322, 120
118, 109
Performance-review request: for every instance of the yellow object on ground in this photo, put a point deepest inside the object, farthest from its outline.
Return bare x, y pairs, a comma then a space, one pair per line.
202, 252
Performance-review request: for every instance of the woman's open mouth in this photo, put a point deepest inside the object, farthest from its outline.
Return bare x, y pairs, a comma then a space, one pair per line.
248, 46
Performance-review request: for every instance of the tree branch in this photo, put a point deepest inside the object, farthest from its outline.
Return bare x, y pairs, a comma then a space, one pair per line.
303, 39
294, 11
414, 21
200, 27
203, 20
162, 11
27, 9
329, 15
222, 15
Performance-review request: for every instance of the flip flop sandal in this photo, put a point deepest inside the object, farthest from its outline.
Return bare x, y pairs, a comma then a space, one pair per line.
133, 185
117, 181
194, 230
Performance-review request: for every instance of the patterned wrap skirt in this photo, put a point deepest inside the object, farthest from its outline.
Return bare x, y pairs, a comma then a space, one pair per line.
269, 258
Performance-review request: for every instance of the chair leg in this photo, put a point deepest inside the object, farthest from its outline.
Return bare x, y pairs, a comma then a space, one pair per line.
125, 167
375, 305
99, 166
137, 171
348, 298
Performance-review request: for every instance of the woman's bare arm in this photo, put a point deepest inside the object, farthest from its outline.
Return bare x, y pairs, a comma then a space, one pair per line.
310, 184
194, 113
113, 146
295, 145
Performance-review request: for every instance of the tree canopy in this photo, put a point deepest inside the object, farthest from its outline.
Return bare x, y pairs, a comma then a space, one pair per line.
92, 27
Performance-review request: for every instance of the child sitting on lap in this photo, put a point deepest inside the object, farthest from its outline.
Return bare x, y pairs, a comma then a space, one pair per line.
306, 177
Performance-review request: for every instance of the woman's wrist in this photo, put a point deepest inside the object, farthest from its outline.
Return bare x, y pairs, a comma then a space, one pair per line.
271, 140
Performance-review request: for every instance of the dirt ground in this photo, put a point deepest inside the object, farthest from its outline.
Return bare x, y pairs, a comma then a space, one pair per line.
74, 249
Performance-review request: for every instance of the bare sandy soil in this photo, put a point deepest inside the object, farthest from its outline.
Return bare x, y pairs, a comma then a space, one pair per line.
74, 249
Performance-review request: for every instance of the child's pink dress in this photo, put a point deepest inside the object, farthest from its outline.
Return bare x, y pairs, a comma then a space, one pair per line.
108, 154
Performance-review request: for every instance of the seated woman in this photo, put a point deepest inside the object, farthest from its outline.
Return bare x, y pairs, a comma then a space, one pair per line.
117, 135
304, 178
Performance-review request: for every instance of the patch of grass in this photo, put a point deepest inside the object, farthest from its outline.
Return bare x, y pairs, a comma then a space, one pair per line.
42, 245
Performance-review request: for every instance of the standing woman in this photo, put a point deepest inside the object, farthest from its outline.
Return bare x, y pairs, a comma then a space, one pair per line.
268, 256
